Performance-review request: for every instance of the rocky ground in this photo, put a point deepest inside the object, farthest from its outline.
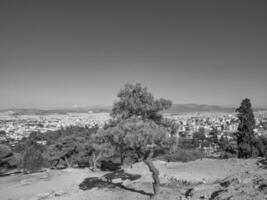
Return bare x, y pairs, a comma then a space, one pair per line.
232, 179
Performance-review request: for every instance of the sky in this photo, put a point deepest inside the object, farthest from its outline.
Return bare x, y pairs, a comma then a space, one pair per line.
60, 54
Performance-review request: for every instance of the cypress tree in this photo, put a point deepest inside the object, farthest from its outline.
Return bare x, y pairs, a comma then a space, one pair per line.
245, 134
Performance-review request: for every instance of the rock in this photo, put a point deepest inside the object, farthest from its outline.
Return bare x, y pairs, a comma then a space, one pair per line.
263, 188
44, 176
45, 195
117, 180
189, 193
204, 191
109, 177
25, 182
215, 194
247, 181
232, 181
126, 183
59, 193
204, 196
204, 181
160, 162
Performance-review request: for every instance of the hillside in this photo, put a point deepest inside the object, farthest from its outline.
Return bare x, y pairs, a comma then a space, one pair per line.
235, 179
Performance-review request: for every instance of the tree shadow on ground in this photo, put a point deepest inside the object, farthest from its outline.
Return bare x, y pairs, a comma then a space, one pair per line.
106, 182
132, 189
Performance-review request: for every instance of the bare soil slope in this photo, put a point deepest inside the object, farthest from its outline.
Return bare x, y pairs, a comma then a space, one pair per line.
202, 179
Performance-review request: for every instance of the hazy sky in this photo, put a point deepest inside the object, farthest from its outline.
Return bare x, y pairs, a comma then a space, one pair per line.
64, 53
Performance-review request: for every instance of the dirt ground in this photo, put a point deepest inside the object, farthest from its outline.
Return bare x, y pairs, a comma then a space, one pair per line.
211, 179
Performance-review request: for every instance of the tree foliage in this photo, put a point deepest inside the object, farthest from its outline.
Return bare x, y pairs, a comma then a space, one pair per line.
33, 159
228, 147
135, 100
245, 136
73, 145
5, 155
142, 137
213, 136
65, 148
101, 148
198, 138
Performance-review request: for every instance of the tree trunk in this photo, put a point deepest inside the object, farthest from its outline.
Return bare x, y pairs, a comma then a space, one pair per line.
93, 162
95, 159
155, 175
67, 161
57, 161
90, 164
94, 165
122, 158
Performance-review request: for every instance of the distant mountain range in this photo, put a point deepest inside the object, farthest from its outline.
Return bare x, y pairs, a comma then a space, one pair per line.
30, 111
187, 108
175, 109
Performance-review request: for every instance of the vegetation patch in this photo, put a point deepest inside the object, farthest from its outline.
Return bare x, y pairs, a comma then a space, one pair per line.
94, 182
183, 155
110, 166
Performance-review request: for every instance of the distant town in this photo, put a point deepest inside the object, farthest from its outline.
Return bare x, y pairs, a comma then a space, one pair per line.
223, 123
16, 127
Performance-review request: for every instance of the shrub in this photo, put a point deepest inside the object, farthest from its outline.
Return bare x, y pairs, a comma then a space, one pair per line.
33, 159
5, 155
261, 145
186, 144
5, 152
183, 155
15, 160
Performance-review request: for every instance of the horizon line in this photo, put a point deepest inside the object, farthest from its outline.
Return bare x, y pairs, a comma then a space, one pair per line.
94, 106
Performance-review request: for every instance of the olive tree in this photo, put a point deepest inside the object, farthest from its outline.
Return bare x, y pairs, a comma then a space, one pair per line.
141, 137
137, 127
135, 100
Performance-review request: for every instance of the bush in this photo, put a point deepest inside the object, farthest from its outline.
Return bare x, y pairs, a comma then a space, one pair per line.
33, 159
261, 145
186, 144
5, 155
5, 152
183, 155
15, 161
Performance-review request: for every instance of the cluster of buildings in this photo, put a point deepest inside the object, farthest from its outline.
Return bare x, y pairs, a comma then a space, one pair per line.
17, 127
224, 124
